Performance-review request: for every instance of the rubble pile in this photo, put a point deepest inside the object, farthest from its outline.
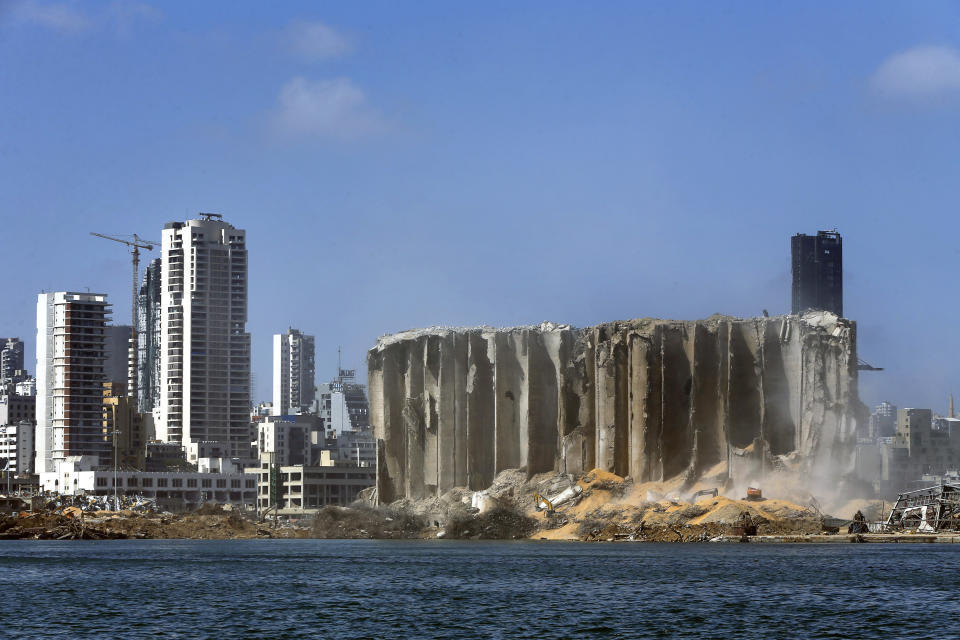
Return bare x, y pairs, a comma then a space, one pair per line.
367, 522
63, 519
615, 508
499, 523
594, 506
46, 526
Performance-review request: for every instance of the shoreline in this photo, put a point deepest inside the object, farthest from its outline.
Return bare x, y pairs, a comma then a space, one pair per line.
887, 539
236, 527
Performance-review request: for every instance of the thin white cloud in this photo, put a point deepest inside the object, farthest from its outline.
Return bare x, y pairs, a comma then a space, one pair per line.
325, 109
71, 17
314, 41
919, 73
60, 17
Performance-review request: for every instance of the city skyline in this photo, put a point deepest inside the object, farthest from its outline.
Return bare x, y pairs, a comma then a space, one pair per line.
451, 195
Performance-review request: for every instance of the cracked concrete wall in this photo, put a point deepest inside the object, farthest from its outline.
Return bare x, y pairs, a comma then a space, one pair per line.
652, 399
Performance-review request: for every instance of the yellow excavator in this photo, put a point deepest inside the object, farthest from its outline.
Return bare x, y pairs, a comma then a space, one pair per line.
541, 503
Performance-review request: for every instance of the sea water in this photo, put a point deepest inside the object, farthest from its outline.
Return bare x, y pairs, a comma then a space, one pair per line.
455, 589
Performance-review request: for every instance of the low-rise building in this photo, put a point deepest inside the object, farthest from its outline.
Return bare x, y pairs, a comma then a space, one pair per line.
353, 446
173, 490
165, 456
299, 490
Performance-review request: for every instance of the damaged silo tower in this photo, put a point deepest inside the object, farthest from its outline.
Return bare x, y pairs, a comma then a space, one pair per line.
652, 399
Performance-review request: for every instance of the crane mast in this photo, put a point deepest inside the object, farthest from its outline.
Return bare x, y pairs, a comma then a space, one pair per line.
135, 245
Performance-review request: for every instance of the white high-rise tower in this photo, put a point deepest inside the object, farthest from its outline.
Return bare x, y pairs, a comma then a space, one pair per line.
293, 373
205, 354
72, 350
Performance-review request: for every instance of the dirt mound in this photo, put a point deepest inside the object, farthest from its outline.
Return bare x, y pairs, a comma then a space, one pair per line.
367, 522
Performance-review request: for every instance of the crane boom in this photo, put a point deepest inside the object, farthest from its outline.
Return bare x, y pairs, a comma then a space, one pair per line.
136, 242
135, 245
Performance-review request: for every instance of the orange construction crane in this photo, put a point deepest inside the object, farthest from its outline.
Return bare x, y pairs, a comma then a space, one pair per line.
135, 245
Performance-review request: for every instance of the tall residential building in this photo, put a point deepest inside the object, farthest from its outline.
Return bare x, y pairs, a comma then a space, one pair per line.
205, 355
18, 420
16, 447
148, 339
71, 353
883, 421
115, 368
342, 404
293, 373
280, 441
817, 264
11, 357
16, 408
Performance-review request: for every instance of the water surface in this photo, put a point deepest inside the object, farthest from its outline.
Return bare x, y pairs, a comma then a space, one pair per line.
449, 589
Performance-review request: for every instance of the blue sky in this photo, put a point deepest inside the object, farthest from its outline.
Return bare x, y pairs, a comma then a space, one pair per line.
408, 164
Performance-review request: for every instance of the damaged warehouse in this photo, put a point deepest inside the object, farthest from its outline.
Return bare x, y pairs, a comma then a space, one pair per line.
650, 399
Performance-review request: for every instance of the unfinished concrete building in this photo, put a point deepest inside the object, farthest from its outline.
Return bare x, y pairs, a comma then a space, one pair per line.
651, 399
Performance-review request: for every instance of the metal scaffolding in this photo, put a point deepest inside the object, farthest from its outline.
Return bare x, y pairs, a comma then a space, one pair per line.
148, 339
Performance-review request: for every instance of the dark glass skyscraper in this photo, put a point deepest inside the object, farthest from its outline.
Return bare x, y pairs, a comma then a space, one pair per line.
817, 272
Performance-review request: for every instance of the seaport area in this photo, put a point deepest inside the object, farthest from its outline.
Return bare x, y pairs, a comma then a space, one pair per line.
597, 506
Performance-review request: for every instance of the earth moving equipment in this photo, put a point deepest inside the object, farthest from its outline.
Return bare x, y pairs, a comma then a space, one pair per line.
713, 493
570, 494
541, 504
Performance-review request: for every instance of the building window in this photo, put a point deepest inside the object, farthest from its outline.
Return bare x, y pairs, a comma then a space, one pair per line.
148, 482
206, 484
161, 482
192, 483
178, 482
101, 482
221, 483
234, 484
131, 482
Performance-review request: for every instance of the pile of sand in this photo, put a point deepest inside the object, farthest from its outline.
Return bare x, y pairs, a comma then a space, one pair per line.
611, 502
